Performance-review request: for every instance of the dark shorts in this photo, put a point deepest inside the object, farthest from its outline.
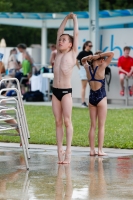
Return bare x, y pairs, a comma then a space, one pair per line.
23, 79
59, 93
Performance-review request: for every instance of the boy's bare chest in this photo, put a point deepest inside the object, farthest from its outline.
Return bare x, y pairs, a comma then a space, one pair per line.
66, 60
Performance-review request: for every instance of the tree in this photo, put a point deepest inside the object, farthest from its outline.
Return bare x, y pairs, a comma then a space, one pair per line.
5, 5
15, 35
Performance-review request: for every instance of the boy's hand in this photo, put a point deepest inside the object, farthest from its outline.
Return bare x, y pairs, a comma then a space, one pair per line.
71, 15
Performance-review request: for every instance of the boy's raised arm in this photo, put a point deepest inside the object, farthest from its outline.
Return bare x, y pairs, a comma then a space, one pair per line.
75, 33
61, 29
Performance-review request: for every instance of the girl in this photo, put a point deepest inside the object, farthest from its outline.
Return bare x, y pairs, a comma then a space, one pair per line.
97, 98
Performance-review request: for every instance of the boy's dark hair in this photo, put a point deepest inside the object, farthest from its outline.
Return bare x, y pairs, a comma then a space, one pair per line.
86, 44
22, 46
70, 37
126, 48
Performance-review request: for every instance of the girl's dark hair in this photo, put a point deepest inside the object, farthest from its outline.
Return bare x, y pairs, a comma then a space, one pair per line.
96, 53
86, 44
99, 52
22, 46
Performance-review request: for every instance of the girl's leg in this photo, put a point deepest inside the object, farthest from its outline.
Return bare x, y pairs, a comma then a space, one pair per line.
57, 111
102, 112
84, 84
67, 111
93, 119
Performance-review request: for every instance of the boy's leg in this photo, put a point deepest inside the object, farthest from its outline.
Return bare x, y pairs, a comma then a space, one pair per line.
122, 76
57, 110
67, 111
102, 112
131, 89
93, 119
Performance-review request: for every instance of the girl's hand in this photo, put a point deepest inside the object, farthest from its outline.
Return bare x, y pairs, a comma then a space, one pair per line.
86, 64
95, 57
90, 57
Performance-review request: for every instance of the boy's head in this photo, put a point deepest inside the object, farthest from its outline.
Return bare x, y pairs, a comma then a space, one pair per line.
126, 50
21, 47
65, 42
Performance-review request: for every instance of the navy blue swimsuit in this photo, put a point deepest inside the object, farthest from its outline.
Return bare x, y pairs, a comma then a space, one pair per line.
96, 96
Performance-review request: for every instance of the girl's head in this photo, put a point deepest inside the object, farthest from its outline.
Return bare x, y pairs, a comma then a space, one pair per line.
99, 61
65, 42
87, 46
99, 52
21, 47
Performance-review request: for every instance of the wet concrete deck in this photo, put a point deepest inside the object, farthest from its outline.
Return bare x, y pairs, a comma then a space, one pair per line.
86, 178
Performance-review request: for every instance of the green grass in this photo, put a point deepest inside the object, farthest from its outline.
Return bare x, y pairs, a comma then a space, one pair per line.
118, 128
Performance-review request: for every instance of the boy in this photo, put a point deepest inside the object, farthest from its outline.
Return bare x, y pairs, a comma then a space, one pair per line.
67, 49
125, 66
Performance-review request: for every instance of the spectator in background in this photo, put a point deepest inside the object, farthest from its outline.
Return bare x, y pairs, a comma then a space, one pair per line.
125, 65
27, 66
13, 63
53, 54
85, 52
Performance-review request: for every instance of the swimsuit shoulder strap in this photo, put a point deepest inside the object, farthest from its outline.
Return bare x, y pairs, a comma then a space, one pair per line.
93, 74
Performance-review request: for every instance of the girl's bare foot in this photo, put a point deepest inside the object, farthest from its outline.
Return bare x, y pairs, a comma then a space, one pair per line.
101, 153
67, 158
93, 153
61, 154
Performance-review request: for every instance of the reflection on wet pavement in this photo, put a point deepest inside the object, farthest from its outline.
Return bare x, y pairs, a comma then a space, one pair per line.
86, 178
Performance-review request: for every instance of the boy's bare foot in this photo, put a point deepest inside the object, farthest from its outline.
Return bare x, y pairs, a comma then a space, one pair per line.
101, 153
93, 153
61, 154
67, 158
